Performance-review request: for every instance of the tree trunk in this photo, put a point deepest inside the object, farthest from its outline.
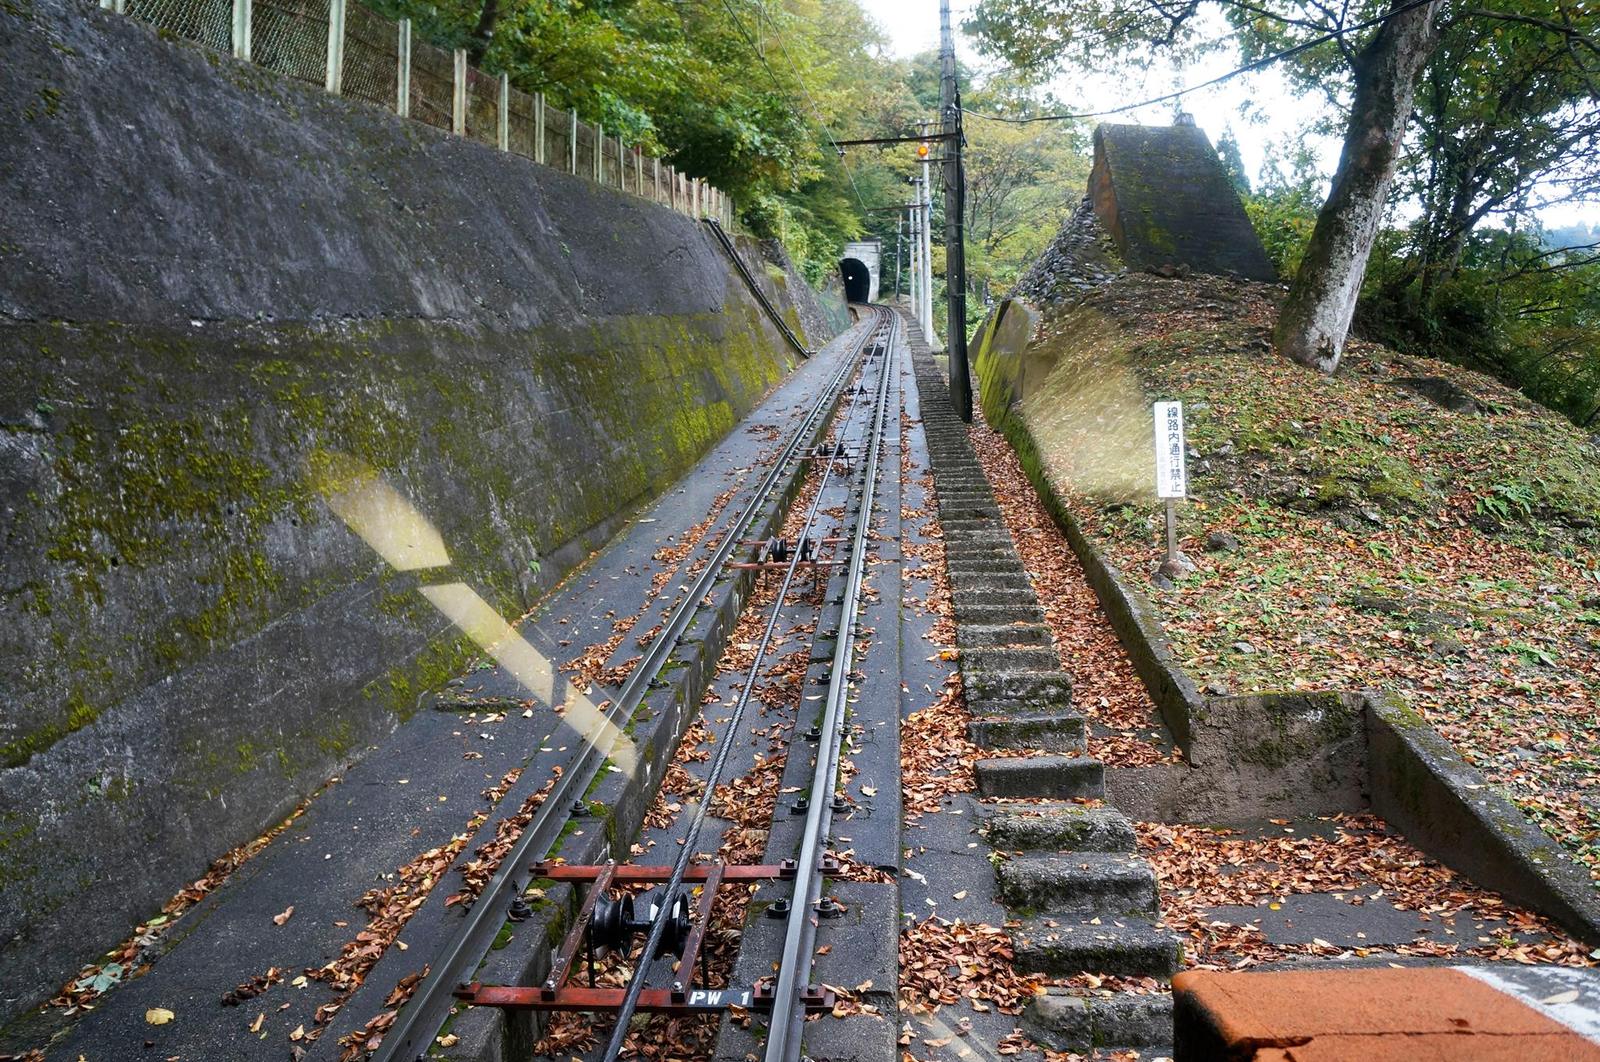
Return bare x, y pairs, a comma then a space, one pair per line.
1322, 300
483, 32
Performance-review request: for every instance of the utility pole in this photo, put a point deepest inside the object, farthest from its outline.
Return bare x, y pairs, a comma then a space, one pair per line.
899, 238
925, 215
955, 209
914, 222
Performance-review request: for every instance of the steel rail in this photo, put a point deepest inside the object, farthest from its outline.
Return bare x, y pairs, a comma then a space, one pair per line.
755, 289
421, 1017
794, 966
636, 983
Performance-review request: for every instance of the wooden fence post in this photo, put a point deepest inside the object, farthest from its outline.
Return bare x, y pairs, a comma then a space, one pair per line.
599, 153
505, 112
538, 127
335, 83
657, 195
572, 143
241, 29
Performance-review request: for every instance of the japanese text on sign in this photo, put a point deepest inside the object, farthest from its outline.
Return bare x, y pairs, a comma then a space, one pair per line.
1172, 480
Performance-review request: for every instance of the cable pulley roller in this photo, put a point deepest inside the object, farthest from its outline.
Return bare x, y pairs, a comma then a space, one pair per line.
617, 922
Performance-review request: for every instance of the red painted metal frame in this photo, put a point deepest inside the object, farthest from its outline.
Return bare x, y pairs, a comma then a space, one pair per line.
627, 873
784, 565
556, 994
651, 1000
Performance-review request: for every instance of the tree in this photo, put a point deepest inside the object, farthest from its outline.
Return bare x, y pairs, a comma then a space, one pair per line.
1023, 182
1508, 106
1315, 319
1323, 48
740, 93
1232, 160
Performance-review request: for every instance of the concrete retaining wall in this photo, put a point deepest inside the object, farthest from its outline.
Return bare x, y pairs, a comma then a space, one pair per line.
213, 283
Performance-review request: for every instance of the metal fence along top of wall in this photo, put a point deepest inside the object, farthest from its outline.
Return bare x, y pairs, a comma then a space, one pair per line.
352, 51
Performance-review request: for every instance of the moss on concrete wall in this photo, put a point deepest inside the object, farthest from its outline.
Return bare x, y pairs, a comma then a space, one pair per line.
194, 639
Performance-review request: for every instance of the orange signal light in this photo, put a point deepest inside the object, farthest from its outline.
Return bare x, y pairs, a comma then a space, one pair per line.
922, 150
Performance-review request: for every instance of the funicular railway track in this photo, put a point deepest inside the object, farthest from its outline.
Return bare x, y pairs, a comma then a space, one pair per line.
670, 922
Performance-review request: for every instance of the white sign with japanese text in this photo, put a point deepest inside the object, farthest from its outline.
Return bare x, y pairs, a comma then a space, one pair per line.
1172, 478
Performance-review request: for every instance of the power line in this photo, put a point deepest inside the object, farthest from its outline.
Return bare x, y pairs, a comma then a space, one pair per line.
1250, 67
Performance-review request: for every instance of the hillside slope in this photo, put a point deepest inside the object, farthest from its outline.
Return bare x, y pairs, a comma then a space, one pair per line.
1405, 525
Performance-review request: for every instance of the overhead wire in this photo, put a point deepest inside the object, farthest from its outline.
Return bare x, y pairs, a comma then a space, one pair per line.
1250, 67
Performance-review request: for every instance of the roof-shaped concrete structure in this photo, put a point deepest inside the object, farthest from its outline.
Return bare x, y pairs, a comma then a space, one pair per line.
1162, 194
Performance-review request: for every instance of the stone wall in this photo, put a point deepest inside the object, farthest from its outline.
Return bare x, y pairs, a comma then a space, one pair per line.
216, 286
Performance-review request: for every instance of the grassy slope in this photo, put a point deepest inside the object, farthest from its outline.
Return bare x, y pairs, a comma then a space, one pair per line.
1384, 541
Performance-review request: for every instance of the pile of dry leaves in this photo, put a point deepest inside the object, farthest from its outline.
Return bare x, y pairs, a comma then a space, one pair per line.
1202, 869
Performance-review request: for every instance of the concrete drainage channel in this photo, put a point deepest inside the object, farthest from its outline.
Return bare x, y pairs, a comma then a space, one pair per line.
1081, 901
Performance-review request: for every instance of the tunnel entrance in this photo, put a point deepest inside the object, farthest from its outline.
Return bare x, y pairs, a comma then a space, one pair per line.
857, 280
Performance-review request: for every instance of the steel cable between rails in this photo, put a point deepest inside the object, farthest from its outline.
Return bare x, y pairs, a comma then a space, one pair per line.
636, 982
788, 1016
420, 1018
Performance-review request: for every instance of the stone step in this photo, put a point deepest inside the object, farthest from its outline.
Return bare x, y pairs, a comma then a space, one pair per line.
985, 635
1063, 1022
1127, 947
1061, 732
1088, 884
964, 601
968, 510
976, 617
962, 579
1009, 660
995, 545
1051, 777
967, 526
1017, 691
1059, 827
978, 563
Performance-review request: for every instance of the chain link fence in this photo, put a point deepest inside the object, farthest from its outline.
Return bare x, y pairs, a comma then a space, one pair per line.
483, 107
207, 22
522, 136
433, 79
374, 60
371, 57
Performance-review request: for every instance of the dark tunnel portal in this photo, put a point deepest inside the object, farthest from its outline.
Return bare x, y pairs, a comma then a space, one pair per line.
857, 280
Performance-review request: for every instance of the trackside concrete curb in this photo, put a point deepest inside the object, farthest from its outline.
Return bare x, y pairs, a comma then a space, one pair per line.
1422, 786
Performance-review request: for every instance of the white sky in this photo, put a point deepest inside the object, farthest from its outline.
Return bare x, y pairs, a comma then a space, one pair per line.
1259, 106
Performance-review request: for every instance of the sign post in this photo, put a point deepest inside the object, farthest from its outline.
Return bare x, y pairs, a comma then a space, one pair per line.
1172, 477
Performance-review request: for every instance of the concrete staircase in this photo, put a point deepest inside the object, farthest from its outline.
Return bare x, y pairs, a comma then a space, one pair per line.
1082, 901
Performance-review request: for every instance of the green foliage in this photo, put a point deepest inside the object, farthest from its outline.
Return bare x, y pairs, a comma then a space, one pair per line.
1023, 182
1232, 160
736, 93
1524, 313
1285, 210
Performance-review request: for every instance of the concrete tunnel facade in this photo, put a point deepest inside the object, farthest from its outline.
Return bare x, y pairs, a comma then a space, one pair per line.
858, 267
